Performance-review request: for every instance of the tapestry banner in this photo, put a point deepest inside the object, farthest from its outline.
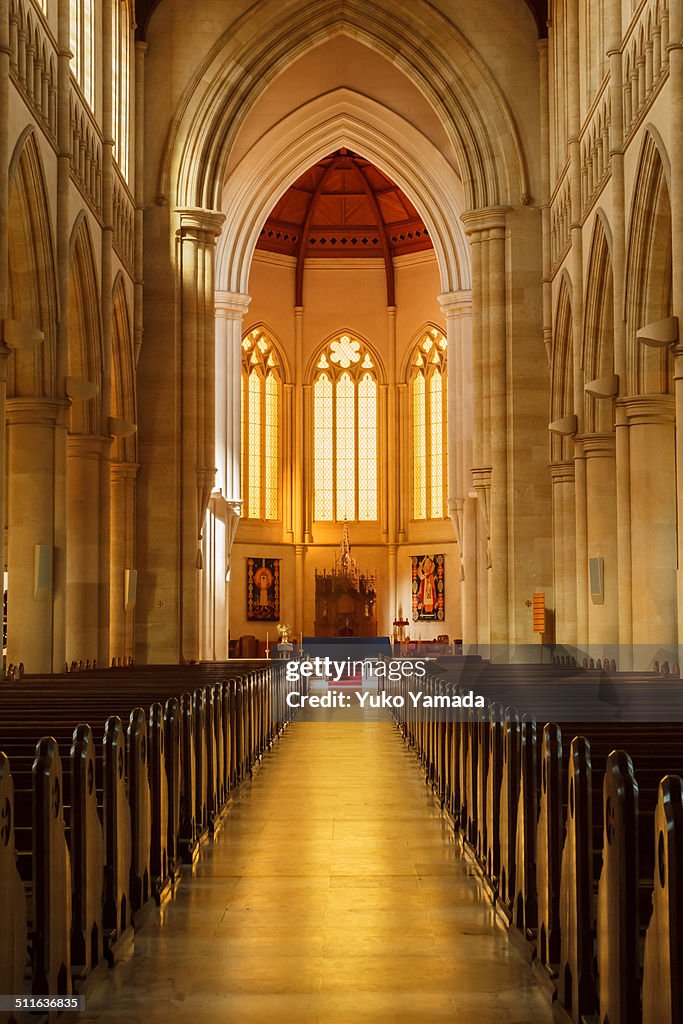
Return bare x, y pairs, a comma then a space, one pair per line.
263, 589
429, 572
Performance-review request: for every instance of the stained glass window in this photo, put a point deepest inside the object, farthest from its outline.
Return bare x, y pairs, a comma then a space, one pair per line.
261, 388
120, 79
82, 46
428, 410
345, 433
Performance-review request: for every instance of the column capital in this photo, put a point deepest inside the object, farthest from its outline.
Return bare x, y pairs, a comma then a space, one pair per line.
562, 472
647, 409
456, 303
120, 471
489, 218
194, 219
481, 476
36, 411
597, 445
232, 305
88, 446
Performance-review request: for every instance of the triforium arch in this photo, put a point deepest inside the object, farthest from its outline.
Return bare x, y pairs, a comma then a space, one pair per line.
246, 59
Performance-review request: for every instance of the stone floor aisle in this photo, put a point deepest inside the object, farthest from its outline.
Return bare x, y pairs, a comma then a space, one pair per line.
334, 893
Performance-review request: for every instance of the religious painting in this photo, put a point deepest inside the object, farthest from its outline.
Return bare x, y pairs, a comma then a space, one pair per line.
428, 588
263, 589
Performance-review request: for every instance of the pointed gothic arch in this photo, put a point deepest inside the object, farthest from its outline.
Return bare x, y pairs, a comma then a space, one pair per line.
32, 290
472, 108
598, 327
85, 332
649, 269
123, 390
562, 371
342, 118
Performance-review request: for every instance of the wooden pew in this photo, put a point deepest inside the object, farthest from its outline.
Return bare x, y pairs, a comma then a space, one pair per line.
51, 896
116, 916
525, 903
13, 935
509, 796
663, 958
87, 855
549, 848
159, 804
618, 936
576, 990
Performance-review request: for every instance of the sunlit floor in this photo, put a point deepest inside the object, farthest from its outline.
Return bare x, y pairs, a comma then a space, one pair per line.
334, 893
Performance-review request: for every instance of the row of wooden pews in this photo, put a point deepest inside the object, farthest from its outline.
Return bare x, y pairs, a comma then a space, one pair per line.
134, 771
576, 829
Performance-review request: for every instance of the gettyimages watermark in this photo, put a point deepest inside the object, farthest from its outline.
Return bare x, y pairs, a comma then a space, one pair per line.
363, 673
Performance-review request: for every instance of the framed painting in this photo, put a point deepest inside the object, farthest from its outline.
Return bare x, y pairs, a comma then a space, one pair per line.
263, 589
429, 588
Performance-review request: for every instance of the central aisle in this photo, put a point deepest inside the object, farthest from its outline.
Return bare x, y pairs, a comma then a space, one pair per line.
334, 893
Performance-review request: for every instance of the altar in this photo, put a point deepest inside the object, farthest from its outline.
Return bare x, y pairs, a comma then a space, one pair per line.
345, 598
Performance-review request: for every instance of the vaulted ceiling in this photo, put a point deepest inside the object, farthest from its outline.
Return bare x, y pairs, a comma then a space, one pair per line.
145, 8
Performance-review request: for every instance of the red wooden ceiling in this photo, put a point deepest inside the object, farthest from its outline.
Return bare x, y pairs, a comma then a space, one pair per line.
344, 206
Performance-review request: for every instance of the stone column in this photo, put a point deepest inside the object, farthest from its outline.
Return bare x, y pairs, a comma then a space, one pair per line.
299, 555
470, 545
653, 528
34, 426
562, 475
87, 636
486, 229
122, 544
457, 308
581, 550
601, 542
230, 310
195, 251
391, 610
